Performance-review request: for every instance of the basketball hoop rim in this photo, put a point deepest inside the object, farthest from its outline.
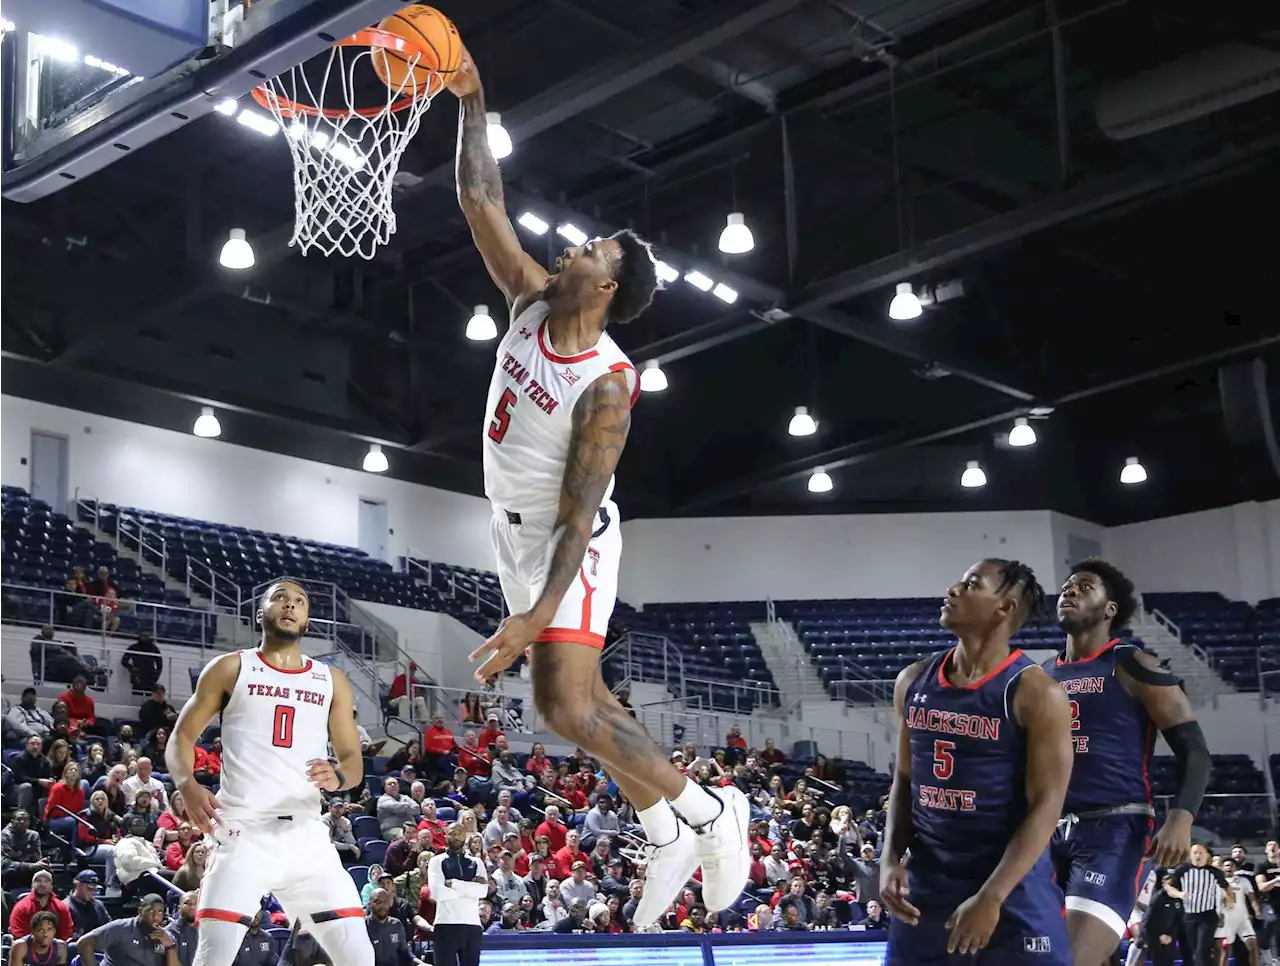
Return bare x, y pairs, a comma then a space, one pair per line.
369, 37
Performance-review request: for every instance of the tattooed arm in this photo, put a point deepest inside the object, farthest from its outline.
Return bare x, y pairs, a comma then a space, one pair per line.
601, 420
480, 194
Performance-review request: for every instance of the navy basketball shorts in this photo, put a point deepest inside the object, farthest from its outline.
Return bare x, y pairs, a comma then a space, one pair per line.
1099, 862
1031, 931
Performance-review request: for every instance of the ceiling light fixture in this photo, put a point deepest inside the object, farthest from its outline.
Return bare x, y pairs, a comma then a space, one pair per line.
236, 252
724, 293
736, 237
375, 461
820, 482
572, 233
652, 378
698, 280
258, 122
1022, 434
533, 223
1133, 471
481, 327
905, 306
499, 139
665, 271
207, 425
973, 476
802, 424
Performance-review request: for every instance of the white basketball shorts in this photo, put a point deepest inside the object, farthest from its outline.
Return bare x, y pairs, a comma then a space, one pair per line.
292, 859
524, 551
1235, 925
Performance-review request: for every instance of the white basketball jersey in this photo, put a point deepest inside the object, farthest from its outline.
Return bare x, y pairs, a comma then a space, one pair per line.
274, 723
529, 417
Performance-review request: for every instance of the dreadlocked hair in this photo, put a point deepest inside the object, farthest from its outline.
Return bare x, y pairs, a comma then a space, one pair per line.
636, 275
1017, 575
1120, 588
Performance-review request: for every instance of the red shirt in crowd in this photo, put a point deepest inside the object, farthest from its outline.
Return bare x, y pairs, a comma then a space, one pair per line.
437, 828
437, 741
772, 756
565, 858
536, 766
555, 834
72, 799
735, 741
174, 855
27, 906
79, 707
489, 736
476, 764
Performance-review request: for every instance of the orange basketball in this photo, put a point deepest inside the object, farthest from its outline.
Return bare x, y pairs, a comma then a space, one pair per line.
433, 34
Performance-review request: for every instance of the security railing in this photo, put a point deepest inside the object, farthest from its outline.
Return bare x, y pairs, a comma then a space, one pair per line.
223, 593
649, 658
1261, 811
456, 585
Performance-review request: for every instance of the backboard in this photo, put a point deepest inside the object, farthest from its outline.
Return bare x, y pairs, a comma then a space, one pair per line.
87, 81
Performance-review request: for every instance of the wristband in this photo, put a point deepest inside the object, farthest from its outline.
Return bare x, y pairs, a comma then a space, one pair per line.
342, 779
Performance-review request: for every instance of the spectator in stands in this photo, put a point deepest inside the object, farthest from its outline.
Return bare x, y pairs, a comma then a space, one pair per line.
156, 711
876, 917
113, 785
387, 932
554, 908
576, 921
772, 756
598, 858
139, 941
42, 945
500, 826
408, 754
23, 854
797, 898
53, 660
125, 743
567, 855
492, 731
98, 833
538, 762
552, 829
614, 881
366, 891
40, 899
145, 808
256, 948
144, 779
144, 663
72, 608
757, 875
433, 825
135, 855
94, 766
407, 695
437, 746
191, 873
32, 774
575, 800
154, 746
66, 796
80, 706
735, 743
509, 921
172, 818
866, 874
394, 810
175, 852
507, 776
509, 886
185, 933
402, 854
206, 768
340, 835
577, 886
471, 758
27, 719
87, 910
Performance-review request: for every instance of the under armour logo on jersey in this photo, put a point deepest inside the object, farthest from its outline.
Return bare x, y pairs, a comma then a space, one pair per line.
524, 331
257, 668
569, 375
920, 697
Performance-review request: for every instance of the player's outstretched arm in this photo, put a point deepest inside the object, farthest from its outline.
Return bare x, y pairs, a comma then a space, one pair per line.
349, 772
216, 682
898, 828
480, 195
1161, 694
601, 422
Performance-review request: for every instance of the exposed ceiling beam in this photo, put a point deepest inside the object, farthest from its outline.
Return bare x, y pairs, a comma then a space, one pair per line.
1079, 202
860, 451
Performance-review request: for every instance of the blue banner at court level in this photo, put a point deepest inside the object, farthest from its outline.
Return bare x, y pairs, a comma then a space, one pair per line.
838, 948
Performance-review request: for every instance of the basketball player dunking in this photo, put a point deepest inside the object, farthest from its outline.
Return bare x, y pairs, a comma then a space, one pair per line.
984, 755
556, 422
1119, 696
279, 711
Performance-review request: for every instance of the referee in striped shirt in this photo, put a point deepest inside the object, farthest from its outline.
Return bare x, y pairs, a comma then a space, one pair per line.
1198, 884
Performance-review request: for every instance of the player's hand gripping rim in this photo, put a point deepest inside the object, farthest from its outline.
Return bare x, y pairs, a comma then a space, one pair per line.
894, 889
972, 924
202, 807
513, 637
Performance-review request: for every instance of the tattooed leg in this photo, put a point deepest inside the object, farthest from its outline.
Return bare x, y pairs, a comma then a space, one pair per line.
572, 699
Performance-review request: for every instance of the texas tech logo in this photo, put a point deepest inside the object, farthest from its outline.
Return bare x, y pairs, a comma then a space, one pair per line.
594, 556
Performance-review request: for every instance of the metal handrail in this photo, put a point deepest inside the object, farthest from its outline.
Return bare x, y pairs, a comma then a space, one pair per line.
855, 677
620, 653
459, 586
222, 592
145, 540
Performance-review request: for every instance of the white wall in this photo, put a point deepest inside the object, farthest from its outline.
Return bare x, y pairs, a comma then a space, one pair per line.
157, 469
815, 557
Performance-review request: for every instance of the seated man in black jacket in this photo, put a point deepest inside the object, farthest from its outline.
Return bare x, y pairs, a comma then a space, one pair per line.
144, 663
156, 712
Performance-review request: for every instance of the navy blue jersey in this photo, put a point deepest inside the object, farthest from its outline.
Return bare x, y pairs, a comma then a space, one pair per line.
1111, 731
968, 775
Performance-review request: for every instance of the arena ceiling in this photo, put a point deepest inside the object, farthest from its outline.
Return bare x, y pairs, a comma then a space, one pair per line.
959, 146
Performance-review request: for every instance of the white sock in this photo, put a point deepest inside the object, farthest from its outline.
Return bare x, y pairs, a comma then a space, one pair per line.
1134, 956
695, 805
659, 823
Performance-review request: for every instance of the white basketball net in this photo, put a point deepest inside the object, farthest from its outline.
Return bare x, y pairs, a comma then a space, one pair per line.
344, 166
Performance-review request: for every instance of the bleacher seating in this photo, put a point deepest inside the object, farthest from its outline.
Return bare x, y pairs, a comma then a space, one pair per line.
1230, 631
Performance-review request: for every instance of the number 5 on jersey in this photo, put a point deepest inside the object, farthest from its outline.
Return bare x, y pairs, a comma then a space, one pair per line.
502, 416
944, 762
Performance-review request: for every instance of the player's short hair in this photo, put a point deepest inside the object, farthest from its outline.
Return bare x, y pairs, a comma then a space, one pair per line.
296, 581
1119, 588
636, 276
1014, 574
43, 915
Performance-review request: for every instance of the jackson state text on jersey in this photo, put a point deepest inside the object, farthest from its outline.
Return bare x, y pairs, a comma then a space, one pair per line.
529, 414
1112, 733
275, 721
968, 765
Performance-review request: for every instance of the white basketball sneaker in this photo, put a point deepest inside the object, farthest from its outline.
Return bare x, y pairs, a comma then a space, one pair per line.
668, 869
724, 849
